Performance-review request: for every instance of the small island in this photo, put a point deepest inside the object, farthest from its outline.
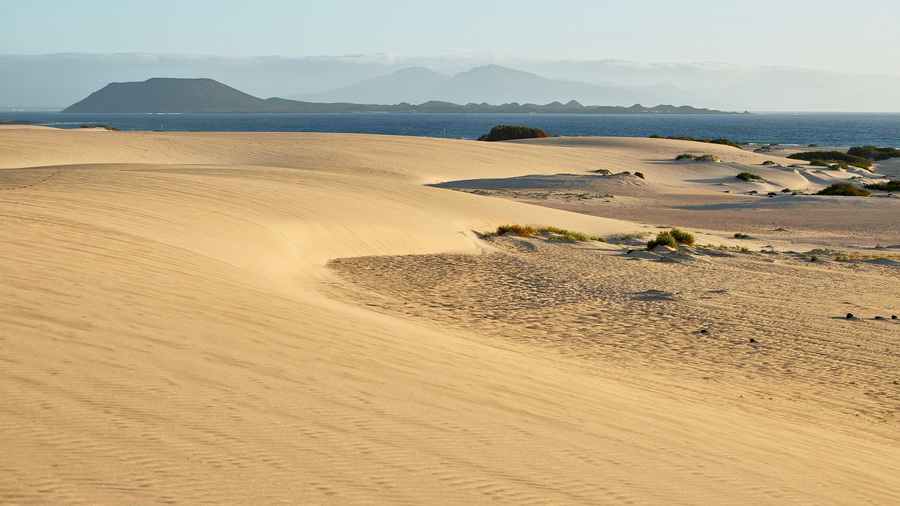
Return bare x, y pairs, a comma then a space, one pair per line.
207, 96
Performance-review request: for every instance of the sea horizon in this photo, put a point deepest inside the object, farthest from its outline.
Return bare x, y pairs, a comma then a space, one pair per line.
834, 129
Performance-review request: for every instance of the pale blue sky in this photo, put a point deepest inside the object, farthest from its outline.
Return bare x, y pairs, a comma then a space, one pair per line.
823, 34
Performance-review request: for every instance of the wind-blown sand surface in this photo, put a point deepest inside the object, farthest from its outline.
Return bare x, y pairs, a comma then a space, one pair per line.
309, 318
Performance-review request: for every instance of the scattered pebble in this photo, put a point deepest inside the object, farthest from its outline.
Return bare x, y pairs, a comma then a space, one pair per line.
704, 331
879, 317
753, 340
893, 317
849, 316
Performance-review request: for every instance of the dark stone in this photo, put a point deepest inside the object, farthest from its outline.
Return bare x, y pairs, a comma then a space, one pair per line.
849, 315
704, 331
879, 317
753, 340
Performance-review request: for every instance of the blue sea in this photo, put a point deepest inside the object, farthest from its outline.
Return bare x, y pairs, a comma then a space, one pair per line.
826, 129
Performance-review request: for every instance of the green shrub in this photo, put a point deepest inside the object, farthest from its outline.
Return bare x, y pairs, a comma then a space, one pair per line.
845, 189
604, 172
891, 186
663, 238
656, 136
671, 238
873, 153
687, 156
682, 237
837, 156
510, 132
739, 235
746, 176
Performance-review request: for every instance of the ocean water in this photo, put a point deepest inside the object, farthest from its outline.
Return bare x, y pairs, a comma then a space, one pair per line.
826, 129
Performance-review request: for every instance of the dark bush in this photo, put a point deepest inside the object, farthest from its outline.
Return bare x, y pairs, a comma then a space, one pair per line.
873, 153
832, 155
726, 142
101, 125
891, 186
845, 189
510, 132
746, 176
721, 140
640, 175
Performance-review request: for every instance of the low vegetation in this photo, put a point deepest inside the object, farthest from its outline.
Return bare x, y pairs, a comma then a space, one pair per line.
723, 141
682, 237
698, 158
873, 153
102, 125
891, 186
846, 189
746, 176
825, 158
519, 230
671, 238
740, 235
551, 233
511, 132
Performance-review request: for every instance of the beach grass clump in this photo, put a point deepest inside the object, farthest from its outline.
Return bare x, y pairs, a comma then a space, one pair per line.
682, 237
671, 238
663, 238
519, 230
891, 186
511, 132
604, 172
561, 234
846, 189
698, 158
740, 235
551, 233
747, 176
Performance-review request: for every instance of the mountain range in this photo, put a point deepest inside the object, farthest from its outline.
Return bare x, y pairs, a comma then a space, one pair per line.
175, 95
51, 81
491, 84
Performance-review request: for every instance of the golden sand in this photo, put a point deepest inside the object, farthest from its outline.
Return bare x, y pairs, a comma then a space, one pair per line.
312, 318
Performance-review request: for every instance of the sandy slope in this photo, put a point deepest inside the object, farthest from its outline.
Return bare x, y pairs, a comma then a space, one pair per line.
223, 317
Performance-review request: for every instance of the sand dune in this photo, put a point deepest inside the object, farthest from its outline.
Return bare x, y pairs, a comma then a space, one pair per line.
236, 317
